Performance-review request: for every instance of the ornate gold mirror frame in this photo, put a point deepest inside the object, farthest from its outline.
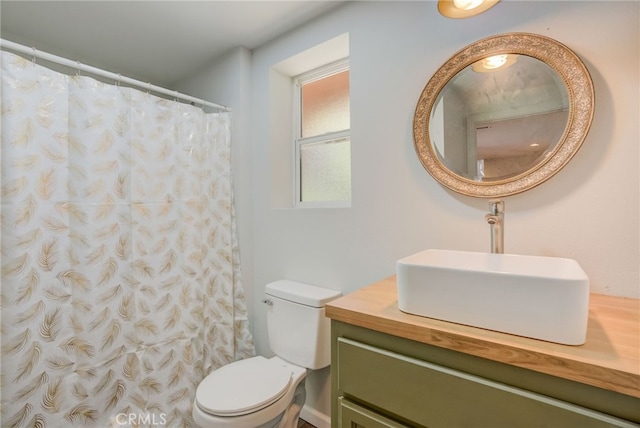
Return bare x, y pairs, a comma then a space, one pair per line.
562, 60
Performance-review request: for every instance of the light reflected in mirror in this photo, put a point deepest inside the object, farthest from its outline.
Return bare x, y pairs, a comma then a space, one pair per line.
499, 117
503, 115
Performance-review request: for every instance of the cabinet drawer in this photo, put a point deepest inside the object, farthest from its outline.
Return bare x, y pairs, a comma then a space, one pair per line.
430, 395
350, 415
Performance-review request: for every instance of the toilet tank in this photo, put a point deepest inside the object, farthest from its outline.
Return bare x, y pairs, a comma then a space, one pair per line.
298, 330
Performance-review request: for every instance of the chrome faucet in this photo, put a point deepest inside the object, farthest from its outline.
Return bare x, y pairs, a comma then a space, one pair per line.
495, 218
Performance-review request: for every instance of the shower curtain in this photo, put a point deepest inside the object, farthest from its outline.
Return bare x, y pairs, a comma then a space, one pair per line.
120, 275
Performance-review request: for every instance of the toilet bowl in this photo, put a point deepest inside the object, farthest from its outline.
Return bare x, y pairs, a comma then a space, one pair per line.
261, 392
256, 392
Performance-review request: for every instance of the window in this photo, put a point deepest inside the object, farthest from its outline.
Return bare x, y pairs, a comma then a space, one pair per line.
322, 137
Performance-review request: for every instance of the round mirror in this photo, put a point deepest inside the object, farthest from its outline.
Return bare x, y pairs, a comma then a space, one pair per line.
503, 115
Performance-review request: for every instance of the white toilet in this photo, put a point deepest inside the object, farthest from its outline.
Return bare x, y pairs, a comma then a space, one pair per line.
269, 392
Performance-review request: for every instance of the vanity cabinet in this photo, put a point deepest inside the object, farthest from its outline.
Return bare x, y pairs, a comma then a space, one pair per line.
381, 380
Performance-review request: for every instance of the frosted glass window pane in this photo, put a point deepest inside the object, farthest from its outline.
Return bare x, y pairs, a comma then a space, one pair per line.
325, 171
325, 105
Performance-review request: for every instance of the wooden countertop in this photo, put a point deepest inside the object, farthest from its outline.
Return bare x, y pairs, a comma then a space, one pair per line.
610, 358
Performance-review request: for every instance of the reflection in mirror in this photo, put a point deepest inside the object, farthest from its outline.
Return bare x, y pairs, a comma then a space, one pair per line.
495, 121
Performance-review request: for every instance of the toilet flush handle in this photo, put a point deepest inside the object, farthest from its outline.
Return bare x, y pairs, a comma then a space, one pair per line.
267, 302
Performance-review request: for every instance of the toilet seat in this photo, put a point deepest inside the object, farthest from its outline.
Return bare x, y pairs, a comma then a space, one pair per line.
243, 387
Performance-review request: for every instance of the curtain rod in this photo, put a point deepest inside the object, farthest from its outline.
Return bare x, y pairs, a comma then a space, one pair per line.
7, 44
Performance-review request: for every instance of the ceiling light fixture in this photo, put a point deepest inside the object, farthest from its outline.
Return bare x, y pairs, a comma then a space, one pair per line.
464, 8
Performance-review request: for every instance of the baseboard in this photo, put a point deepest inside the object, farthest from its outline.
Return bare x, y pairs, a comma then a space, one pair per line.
315, 418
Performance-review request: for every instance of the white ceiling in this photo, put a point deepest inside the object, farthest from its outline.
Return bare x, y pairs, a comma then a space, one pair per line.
160, 42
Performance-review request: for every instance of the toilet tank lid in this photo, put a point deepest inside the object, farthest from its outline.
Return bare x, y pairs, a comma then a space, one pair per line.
299, 292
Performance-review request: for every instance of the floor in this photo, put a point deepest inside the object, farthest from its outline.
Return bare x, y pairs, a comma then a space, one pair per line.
304, 424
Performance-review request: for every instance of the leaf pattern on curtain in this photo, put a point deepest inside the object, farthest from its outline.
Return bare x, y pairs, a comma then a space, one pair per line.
120, 271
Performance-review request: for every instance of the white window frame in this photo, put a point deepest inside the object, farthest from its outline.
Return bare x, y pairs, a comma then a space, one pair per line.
298, 81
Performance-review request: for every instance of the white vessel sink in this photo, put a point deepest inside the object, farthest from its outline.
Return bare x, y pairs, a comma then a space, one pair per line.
543, 298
